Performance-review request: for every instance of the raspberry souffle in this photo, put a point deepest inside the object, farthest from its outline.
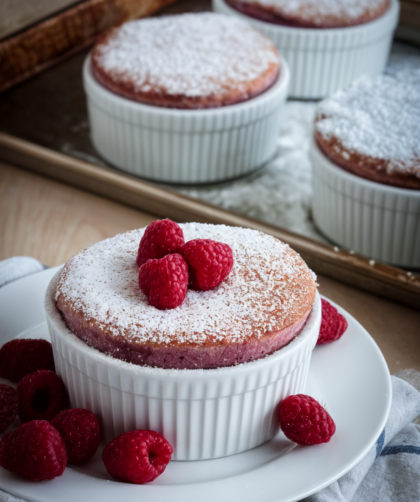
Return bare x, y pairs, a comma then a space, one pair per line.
313, 13
186, 61
264, 296
372, 128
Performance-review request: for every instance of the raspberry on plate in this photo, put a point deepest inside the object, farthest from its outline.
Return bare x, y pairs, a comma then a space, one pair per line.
138, 456
35, 451
209, 262
80, 431
42, 396
22, 356
164, 281
161, 237
333, 324
9, 406
304, 421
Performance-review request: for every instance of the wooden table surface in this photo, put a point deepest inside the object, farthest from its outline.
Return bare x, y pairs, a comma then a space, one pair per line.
52, 221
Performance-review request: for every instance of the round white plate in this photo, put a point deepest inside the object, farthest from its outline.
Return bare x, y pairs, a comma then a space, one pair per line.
350, 377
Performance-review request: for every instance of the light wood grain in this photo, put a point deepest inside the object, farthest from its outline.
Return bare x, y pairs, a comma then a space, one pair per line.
52, 221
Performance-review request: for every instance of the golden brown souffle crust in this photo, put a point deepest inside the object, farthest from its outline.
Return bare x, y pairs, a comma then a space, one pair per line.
262, 305
189, 61
313, 13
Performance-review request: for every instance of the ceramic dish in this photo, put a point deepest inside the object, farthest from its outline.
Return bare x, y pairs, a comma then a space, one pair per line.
322, 61
271, 472
376, 220
203, 413
185, 146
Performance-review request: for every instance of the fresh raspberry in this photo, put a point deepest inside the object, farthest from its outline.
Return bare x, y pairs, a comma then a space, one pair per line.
80, 431
304, 421
41, 396
164, 281
20, 357
9, 406
137, 457
161, 237
35, 451
209, 262
333, 324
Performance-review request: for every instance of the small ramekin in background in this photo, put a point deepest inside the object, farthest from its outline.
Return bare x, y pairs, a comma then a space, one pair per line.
185, 146
322, 61
204, 414
376, 220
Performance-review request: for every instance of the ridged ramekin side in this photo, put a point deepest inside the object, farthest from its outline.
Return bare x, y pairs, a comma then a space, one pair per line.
203, 413
322, 61
376, 220
185, 146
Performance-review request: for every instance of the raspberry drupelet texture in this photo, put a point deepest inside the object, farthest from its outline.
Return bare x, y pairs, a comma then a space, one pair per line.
9, 406
42, 396
161, 237
209, 263
80, 430
35, 451
304, 421
137, 457
333, 324
164, 281
21, 357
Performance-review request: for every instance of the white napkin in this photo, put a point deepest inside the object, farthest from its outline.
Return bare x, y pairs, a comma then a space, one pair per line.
390, 472
18, 267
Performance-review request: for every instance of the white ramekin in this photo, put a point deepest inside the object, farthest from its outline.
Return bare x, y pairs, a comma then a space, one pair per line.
376, 220
322, 61
185, 146
203, 413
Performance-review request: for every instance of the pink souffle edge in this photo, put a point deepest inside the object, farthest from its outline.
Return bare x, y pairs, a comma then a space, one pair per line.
165, 357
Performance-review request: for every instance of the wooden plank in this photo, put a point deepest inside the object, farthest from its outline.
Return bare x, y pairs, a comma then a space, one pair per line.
336, 263
52, 221
16, 15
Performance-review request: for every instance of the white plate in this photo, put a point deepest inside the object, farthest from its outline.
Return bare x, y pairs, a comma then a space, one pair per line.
350, 377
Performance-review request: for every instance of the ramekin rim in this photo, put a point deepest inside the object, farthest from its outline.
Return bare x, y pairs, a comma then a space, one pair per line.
353, 178
384, 18
54, 316
280, 86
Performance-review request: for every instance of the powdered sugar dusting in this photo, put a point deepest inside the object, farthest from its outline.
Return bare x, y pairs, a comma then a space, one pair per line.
269, 288
318, 10
378, 117
193, 55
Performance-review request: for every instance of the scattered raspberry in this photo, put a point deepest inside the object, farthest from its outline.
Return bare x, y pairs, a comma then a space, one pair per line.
161, 237
21, 357
304, 421
209, 262
41, 396
35, 451
137, 457
80, 431
9, 406
164, 281
333, 324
